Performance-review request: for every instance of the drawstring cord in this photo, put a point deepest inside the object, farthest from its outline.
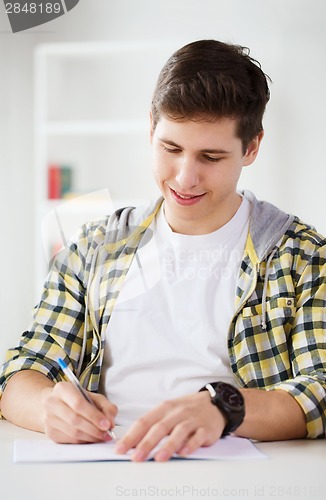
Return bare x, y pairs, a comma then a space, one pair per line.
263, 300
88, 288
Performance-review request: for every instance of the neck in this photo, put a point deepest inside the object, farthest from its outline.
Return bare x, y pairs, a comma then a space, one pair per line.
192, 224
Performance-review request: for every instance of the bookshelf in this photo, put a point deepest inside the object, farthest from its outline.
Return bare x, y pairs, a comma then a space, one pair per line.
92, 103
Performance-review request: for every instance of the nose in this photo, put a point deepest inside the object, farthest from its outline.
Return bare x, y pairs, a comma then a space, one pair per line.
187, 174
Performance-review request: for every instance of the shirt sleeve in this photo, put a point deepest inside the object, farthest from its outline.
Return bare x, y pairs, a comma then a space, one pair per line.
307, 344
58, 322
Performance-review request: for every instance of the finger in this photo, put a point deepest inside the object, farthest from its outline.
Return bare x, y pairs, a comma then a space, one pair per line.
151, 439
133, 436
196, 440
184, 440
177, 440
67, 393
85, 422
139, 429
63, 420
60, 432
108, 409
173, 423
180, 423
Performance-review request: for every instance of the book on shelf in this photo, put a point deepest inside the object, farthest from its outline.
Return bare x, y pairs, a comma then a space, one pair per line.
59, 181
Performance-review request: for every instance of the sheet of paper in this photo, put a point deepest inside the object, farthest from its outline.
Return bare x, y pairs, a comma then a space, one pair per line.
230, 447
43, 450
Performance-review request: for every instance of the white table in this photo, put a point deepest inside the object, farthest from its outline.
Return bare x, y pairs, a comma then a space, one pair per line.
294, 470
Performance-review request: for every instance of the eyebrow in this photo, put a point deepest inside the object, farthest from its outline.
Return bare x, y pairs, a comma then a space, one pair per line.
211, 151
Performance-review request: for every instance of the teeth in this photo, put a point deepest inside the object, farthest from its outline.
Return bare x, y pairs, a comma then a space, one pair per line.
185, 197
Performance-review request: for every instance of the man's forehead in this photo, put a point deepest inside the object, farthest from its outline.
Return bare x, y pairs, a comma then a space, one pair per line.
209, 134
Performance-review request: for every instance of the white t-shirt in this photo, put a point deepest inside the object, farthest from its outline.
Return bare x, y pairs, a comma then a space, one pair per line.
167, 336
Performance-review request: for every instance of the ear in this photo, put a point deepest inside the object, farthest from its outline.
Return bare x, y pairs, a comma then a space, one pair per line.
252, 149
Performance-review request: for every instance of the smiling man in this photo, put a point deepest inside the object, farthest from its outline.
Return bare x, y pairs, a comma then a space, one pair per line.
200, 315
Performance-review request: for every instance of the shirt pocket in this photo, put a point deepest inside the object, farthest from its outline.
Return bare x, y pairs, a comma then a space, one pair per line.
279, 314
262, 355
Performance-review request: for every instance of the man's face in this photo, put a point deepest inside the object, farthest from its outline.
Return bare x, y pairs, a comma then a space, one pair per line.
197, 165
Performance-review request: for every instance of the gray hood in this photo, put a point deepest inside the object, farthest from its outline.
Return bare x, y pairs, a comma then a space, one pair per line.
267, 222
268, 225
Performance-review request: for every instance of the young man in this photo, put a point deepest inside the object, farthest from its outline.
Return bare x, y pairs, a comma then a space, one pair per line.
200, 315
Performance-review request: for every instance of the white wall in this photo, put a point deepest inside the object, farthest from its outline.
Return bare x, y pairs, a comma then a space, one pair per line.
288, 37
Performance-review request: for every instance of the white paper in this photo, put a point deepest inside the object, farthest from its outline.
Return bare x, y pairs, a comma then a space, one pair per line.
45, 450
230, 447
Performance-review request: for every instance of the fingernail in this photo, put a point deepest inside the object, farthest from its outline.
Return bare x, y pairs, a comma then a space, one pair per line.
184, 451
120, 448
162, 456
104, 425
138, 456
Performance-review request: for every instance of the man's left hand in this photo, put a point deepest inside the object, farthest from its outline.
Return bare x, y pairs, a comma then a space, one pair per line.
188, 423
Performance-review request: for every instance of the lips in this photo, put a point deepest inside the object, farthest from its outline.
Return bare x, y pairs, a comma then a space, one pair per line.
186, 198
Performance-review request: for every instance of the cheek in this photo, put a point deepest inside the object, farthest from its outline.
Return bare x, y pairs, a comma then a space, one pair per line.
161, 166
157, 170
156, 175
225, 178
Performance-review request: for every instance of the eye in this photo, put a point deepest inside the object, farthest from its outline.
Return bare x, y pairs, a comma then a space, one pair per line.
212, 159
171, 149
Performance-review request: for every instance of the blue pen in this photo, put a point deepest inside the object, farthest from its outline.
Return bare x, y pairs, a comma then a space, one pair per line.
74, 380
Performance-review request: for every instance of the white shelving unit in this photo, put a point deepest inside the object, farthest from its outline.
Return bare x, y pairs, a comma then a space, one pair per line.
92, 104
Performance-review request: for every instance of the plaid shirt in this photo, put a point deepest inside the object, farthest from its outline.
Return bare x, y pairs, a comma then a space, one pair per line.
277, 335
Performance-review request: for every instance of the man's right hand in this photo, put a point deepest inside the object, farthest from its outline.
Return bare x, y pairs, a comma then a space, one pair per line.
31, 400
70, 418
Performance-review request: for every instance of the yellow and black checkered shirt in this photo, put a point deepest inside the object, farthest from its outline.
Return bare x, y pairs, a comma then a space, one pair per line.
277, 337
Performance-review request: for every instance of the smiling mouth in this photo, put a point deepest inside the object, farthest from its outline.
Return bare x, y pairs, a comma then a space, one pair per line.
186, 196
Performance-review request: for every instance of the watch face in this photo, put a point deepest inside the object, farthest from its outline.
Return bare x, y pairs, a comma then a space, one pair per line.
230, 396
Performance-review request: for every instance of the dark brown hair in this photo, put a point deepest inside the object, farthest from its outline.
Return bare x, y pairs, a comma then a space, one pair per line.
210, 80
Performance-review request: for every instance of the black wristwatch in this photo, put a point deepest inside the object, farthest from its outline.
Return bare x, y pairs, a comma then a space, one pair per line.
230, 401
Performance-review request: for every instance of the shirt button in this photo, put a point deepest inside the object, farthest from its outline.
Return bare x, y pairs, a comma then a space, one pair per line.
289, 302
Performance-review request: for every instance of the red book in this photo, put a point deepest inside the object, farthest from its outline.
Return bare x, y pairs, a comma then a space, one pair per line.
54, 182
